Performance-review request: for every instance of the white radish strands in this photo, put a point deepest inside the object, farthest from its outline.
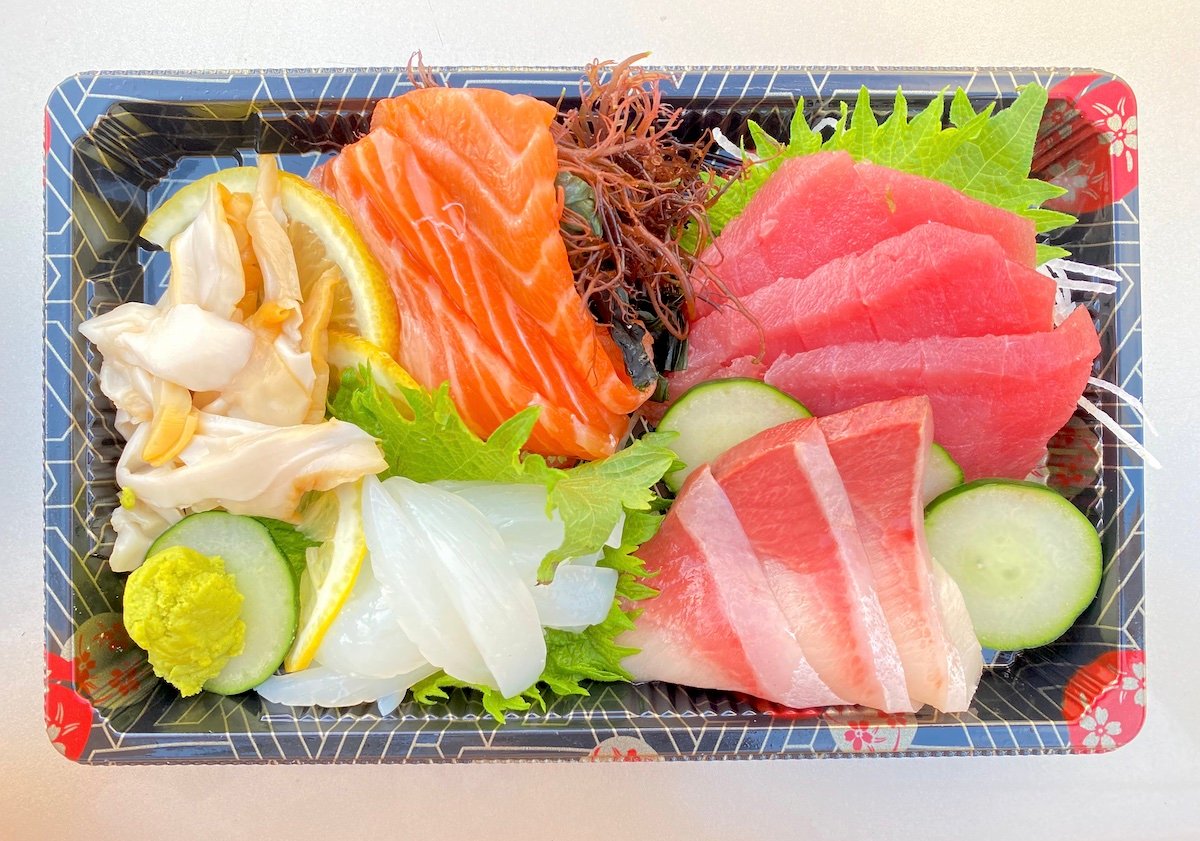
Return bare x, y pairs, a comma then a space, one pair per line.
1116, 429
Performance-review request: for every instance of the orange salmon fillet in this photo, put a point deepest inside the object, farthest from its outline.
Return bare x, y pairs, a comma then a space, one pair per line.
438, 343
454, 191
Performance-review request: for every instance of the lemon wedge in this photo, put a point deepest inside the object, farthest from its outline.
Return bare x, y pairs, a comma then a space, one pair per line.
323, 239
348, 351
335, 518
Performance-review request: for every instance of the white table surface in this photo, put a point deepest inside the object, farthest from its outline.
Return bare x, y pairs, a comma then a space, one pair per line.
1150, 789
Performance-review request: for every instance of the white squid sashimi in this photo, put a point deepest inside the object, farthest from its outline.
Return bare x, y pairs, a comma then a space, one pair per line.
578, 596
365, 637
322, 686
518, 513
614, 540
476, 571
403, 560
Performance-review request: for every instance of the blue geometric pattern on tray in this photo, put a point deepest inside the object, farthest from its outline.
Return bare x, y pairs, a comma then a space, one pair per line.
119, 144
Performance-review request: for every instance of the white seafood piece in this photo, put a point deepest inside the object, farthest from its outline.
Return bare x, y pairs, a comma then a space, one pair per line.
403, 560
578, 596
250, 468
322, 686
366, 637
476, 571
518, 513
206, 266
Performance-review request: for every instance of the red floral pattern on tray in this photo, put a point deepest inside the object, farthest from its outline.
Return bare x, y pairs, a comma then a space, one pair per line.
868, 731
68, 714
1104, 703
622, 749
1088, 143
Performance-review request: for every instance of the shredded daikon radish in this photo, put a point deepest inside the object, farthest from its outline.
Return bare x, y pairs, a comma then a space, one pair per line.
1135, 404
1085, 286
1062, 265
824, 123
729, 147
1116, 429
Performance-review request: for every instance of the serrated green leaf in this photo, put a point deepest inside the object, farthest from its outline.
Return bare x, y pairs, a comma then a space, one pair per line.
1050, 252
291, 543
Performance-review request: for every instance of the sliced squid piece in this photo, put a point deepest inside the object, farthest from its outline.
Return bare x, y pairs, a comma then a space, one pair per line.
404, 561
322, 686
476, 571
578, 596
518, 513
366, 637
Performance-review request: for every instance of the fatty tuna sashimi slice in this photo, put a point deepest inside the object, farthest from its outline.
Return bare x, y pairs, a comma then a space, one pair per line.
914, 200
880, 451
811, 210
482, 169
996, 400
439, 343
685, 634
739, 592
933, 280
787, 493
956, 622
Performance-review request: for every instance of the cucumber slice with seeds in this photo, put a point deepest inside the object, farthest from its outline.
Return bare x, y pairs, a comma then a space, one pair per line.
1027, 561
714, 416
270, 598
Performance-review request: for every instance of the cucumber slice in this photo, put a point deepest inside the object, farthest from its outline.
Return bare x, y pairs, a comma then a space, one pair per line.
1027, 561
271, 600
941, 474
714, 416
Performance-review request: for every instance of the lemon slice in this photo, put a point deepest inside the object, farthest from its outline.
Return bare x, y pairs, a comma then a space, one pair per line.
348, 351
323, 239
335, 518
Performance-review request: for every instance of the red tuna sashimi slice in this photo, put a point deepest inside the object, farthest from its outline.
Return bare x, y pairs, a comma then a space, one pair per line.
811, 210
880, 451
714, 586
933, 280
788, 496
914, 200
996, 400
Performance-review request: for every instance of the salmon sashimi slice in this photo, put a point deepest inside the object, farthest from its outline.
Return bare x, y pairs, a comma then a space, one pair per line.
438, 343
465, 275
720, 555
459, 186
996, 400
488, 164
880, 451
787, 493
933, 280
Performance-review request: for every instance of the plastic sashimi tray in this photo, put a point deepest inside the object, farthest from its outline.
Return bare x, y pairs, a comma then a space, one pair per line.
117, 145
